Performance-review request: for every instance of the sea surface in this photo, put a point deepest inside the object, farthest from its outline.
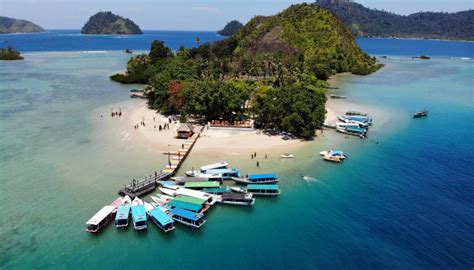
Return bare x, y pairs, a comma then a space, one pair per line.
403, 200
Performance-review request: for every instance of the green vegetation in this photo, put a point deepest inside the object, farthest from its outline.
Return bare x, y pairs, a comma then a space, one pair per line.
273, 71
107, 23
10, 25
10, 54
371, 22
231, 28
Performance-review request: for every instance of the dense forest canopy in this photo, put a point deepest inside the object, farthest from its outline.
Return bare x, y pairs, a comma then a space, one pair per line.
371, 22
10, 25
231, 28
108, 23
273, 71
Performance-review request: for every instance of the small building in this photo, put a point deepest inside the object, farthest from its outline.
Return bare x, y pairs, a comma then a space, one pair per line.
185, 131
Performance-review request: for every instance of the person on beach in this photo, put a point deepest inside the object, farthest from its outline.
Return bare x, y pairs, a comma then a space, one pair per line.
258, 164
160, 128
251, 156
255, 154
266, 156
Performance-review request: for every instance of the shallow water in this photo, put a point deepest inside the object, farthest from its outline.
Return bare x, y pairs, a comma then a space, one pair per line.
403, 200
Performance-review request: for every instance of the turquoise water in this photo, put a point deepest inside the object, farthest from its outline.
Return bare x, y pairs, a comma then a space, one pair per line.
402, 203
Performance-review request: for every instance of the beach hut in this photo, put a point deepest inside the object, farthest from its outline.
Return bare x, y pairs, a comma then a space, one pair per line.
185, 131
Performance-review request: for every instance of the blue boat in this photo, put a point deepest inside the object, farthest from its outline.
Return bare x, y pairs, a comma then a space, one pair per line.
161, 219
187, 218
122, 217
226, 174
263, 190
139, 217
265, 178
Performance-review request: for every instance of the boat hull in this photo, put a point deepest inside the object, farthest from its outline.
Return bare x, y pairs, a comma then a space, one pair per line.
249, 203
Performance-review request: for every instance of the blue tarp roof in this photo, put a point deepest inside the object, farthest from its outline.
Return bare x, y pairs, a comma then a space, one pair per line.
123, 212
263, 176
262, 187
138, 213
185, 205
160, 216
186, 214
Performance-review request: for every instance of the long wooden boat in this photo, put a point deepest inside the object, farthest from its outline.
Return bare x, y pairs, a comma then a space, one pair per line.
263, 190
267, 178
245, 199
100, 219
188, 218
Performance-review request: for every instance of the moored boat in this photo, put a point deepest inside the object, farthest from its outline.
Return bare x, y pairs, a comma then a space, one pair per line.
356, 113
337, 96
187, 218
123, 213
267, 178
220, 190
237, 199
100, 219
224, 174
263, 190
287, 156
161, 219
333, 158
139, 215
355, 131
335, 153
215, 166
161, 199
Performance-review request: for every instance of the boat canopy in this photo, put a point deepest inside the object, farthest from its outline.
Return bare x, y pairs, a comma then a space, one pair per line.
185, 205
101, 215
186, 214
190, 200
161, 217
234, 196
220, 165
182, 179
207, 184
356, 129
139, 213
262, 187
217, 190
123, 212
254, 177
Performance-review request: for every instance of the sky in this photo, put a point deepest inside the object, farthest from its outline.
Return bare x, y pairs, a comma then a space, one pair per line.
186, 14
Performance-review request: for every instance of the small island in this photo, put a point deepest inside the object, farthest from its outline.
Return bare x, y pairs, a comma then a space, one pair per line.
231, 28
10, 25
10, 54
273, 71
107, 23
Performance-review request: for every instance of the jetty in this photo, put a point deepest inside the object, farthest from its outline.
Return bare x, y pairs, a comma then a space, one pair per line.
138, 188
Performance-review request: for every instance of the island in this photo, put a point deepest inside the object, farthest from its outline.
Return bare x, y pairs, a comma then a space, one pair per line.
273, 72
10, 54
10, 25
366, 22
107, 23
231, 28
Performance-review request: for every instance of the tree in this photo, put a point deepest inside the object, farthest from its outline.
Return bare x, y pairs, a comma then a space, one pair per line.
159, 51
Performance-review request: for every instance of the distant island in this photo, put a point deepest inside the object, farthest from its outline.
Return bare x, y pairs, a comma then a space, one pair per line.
10, 25
272, 71
107, 23
365, 22
10, 54
231, 28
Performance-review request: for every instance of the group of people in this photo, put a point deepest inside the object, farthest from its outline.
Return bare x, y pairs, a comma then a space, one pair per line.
254, 155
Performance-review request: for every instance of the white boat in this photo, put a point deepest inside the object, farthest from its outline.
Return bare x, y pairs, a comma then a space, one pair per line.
167, 191
237, 189
100, 219
161, 199
336, 153
215, 166
123, 213
148, 207
126, 200
287, 156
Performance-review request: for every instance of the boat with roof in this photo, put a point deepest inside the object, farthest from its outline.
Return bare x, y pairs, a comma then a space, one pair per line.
420, 114
356, 113
225, 174
217, 191
100, 219
354, 131
355, 119
188, 218
161, 219
123, 213
139, 215
245, 199
263, 190
266, 178
161, 199
202, 185
116, 203
334, 153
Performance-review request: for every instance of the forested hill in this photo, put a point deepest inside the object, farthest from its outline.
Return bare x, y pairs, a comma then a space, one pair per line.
10, 25
108, 23
231, 28
274, 70
365, 22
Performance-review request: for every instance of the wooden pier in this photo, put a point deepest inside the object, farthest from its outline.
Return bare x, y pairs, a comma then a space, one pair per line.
145, 186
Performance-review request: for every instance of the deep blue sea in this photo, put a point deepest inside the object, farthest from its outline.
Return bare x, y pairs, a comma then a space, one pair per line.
403, 200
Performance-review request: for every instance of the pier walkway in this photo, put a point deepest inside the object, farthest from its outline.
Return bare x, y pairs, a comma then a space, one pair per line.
145, 186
